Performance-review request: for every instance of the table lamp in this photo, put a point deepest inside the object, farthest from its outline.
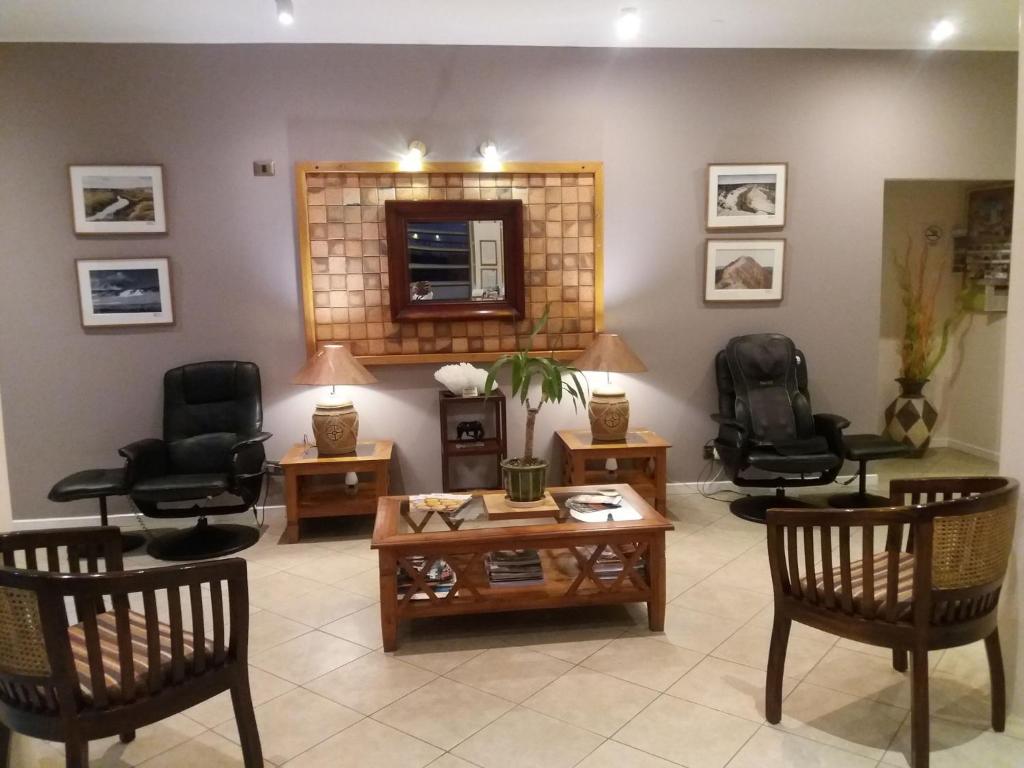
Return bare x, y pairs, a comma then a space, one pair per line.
335, 421
609, 408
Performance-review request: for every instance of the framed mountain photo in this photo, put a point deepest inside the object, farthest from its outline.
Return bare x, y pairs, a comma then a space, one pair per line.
744, 270
118, 199
748, 196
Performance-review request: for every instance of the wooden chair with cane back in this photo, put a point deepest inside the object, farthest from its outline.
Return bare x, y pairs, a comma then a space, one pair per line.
932, 582
84, 653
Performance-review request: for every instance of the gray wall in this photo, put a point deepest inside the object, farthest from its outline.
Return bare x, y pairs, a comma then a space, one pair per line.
844, 121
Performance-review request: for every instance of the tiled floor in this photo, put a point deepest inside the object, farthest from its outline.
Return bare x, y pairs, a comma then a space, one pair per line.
588, 688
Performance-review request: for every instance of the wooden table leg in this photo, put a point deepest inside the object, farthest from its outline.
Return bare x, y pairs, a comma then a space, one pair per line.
579, 469
656, 573
291, 495
388, 601
661, 481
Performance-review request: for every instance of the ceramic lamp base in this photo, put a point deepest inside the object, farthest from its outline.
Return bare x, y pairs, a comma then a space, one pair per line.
609, 415
335, 428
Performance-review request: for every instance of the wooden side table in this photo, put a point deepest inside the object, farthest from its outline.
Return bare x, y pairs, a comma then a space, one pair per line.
315, 485
643, 452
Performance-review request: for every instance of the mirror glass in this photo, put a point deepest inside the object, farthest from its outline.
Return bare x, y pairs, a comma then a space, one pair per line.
455, 260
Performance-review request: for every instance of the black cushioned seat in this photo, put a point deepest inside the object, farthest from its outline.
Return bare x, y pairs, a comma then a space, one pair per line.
180, 488
96, 484
90, 484
768, 435
862, 449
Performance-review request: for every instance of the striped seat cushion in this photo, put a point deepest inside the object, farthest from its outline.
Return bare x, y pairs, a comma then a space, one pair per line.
106, 624
880, 567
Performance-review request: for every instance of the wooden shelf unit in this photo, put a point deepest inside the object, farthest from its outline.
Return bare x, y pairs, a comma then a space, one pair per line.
490, 411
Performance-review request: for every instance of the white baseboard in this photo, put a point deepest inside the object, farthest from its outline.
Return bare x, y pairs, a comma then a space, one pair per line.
125, 520
680, 489
960, 445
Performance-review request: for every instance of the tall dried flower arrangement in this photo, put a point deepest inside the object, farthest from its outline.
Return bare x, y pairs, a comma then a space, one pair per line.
920, 285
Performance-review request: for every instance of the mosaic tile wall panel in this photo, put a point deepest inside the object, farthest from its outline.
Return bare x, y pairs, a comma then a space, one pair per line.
348, 254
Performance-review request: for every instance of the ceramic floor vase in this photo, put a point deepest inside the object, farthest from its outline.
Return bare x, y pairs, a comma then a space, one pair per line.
910, 418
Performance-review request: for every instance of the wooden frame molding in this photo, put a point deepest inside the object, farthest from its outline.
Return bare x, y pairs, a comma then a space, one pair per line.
343, 258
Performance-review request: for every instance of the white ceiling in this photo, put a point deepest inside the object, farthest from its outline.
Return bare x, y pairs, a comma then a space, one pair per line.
984, 24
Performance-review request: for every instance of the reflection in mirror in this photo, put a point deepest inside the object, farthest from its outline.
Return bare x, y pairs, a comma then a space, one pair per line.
455, 260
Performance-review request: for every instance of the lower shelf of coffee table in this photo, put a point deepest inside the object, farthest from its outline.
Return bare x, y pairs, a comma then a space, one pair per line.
474, 593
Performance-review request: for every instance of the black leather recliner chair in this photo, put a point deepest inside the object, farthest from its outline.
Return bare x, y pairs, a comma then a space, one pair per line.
766, 423
212, 445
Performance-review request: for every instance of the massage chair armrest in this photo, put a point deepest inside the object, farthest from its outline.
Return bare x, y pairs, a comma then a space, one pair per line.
144, 458
253, 439
830, 426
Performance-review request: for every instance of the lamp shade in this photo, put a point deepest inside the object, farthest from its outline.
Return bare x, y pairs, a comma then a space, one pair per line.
608, 352
333, 364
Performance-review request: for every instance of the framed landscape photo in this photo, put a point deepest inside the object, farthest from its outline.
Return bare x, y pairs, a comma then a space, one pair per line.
118, 199
119, 292
744, 270
749, 196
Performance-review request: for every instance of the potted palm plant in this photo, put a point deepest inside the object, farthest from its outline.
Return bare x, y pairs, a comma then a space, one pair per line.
525, 477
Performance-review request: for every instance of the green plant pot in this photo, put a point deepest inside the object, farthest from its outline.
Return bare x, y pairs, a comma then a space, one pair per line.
524, 483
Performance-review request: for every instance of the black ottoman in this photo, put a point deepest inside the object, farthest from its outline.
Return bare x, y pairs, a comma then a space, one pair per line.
862, 449
97, 484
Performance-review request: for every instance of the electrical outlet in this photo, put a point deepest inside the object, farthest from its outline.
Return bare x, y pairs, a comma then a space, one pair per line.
263, 168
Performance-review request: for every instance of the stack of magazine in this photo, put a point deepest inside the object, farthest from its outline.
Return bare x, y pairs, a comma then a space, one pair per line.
440, 577
608, 566
517, 567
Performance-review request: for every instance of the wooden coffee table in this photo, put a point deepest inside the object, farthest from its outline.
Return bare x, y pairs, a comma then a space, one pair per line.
569, 551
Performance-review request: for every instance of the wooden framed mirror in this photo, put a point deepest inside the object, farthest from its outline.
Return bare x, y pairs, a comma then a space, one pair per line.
455, 259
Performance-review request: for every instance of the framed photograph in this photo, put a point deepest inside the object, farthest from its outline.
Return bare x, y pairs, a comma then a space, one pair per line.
747, 196
119, 292
118, 199
744, 270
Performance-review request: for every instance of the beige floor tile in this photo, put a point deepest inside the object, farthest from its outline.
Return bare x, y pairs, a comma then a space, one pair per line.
263, 686
371, 682
27, 752
366, 583
954, 745
526, 739
687, 733
727, 602
327, 604
208, 750
612, 754
294, 722
568, 643
362, 627
512, 673
697, 631
750, 646
368, 744
745, 573
727, 687
863, 726
279, 589
770, 748
465, 711
861, 675
149, 742
448, 760
646, 661
333, 568
267, 629
307, 657
591, 700
440, 655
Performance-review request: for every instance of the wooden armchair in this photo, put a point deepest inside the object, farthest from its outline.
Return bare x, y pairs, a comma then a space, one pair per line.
108, 669
933, 582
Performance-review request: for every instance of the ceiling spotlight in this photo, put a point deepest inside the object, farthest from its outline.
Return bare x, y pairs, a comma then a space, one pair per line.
285, 12
942, 31
489, 152
413, 159
628, 25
